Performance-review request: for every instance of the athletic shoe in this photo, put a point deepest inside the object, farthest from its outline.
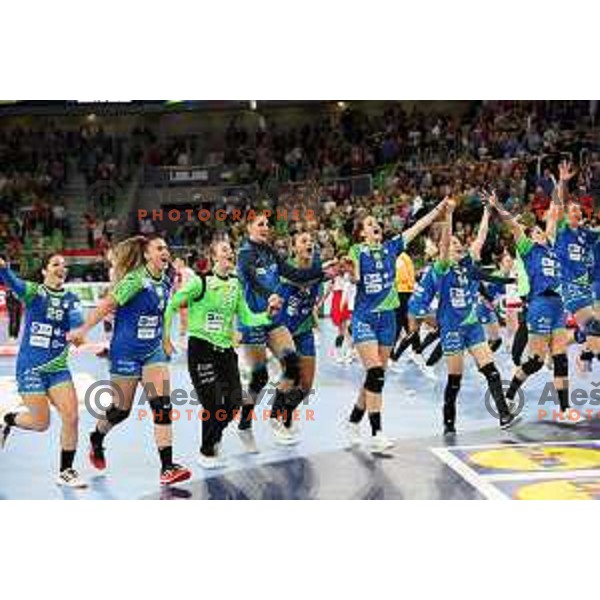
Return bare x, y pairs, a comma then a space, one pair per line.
294, 429
210, 462
281, 434
174, 474
4, 433
96, 455
513, 405
70, 478
507, 421
449, 429
354, 436
569, 418
247, 438
379, 443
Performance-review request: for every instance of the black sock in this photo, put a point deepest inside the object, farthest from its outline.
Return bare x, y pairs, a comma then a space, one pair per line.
430, 338
9, 419
450, 396
435, 356
495, 344
97, 438
166, 456
490, 372
246, 419
375, 420
515, 386
519, 343
66, 459
277, 409
563, 399
357, 414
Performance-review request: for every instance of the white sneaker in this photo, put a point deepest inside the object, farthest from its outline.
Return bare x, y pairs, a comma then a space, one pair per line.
70, 478
569, 417
294, 429
210, 462
379, 443
247, 438
281, 433
354, 437
429, 372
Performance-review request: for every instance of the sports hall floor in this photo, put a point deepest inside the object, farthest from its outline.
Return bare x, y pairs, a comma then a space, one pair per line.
536, 459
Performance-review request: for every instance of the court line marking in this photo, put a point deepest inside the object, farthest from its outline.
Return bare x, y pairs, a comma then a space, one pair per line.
485, 488
500, 446
536, 475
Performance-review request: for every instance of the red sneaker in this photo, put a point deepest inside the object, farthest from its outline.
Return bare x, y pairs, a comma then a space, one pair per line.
174, 474
97, 457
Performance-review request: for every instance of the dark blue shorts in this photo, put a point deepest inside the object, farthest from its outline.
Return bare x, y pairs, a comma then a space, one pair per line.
486, 314
131, 366
256, 336
305, 343
31, 382
545, 315
464, 337
576, 297
377, 327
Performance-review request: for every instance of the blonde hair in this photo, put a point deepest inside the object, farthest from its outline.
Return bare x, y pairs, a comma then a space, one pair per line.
129, 254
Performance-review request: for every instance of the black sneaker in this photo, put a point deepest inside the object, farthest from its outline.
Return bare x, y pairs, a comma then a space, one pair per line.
4, 433
449, 429
507, 420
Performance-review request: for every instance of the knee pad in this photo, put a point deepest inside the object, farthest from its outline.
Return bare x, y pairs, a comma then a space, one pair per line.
291, 367
561, 365
374, 380
592, 328
339, 340
161, 409
490, 372
532, 365
587, 356
115, 415
258, 379
495, 344
294, 398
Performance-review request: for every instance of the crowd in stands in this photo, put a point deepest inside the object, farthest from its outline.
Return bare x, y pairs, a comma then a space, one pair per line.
414, 158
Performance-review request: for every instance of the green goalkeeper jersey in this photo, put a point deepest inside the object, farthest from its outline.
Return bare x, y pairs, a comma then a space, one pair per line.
213, 304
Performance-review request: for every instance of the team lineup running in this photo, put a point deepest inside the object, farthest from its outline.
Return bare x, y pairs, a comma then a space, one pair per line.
541, 297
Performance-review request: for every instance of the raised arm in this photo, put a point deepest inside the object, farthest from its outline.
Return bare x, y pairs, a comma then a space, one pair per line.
505, 216
10, 279
482, 234
447, 232
423, 223
559, 198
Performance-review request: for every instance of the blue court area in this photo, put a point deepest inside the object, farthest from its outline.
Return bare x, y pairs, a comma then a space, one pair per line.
422, 464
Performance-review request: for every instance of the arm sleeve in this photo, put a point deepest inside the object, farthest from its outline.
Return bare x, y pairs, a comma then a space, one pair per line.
75, 314
524, 245
25, 290
246, 316
247, 269
308, 276
193, 290
127, 288
396, 245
